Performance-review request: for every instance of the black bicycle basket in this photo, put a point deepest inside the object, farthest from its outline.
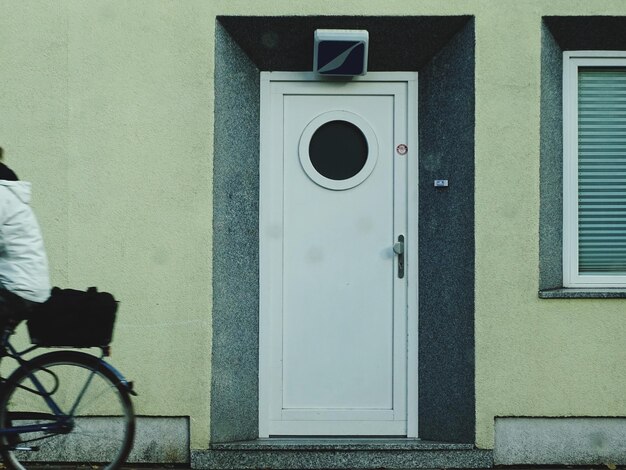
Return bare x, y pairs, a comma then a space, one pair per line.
74, 318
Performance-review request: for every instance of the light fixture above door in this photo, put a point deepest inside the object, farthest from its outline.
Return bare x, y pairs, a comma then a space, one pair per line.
340, 52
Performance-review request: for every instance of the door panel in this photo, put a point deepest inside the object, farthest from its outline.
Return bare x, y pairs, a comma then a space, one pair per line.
338, 273
334, 320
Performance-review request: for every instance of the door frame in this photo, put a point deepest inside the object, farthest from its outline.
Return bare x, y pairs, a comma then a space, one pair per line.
269, 254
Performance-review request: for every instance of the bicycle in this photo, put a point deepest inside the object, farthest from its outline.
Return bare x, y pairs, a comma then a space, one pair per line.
63, 406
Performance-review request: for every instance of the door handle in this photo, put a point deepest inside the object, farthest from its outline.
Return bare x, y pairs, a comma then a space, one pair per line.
398, 249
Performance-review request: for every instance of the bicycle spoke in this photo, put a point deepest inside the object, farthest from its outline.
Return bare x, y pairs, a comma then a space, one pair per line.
99, 427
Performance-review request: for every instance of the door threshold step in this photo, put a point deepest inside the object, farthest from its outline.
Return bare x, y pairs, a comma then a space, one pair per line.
358, 453
361, 443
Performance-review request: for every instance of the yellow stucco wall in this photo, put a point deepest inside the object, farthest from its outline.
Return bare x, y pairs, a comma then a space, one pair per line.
533, 357
106, 106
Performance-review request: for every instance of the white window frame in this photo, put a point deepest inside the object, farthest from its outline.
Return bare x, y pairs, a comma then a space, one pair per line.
572, 61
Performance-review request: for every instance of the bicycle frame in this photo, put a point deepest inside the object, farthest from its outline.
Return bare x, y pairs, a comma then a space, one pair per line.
61, 419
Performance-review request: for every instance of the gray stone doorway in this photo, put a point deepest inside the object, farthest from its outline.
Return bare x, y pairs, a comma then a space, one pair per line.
441, 49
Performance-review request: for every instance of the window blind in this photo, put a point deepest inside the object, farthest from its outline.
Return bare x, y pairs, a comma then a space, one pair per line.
602, 171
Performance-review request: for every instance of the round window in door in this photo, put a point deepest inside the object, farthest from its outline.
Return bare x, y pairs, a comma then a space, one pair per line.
338, 150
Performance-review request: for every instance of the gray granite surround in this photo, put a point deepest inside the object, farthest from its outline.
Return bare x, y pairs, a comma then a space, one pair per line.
558, 34
441, 49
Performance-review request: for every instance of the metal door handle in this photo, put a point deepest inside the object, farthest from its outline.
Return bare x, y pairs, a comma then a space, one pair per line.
398, 249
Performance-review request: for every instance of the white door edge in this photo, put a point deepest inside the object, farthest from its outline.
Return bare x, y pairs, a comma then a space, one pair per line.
412, 260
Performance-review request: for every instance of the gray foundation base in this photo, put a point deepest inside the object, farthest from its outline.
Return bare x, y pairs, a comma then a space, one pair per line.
161, 440
340, 454
158, 440
560, 441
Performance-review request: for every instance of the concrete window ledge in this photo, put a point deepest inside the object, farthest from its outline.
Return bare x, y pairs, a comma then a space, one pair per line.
565, 293
340, 454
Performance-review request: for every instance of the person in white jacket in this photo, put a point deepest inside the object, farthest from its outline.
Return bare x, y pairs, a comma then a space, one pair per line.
23, 259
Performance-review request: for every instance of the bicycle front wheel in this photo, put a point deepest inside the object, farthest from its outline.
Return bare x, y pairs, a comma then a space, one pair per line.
94, 407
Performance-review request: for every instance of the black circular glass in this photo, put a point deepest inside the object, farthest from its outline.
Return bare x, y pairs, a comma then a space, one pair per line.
338, 150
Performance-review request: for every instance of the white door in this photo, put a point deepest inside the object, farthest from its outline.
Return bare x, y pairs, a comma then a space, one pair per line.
338, 256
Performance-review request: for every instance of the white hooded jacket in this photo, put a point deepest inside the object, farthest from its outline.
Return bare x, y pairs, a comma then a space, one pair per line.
23, 260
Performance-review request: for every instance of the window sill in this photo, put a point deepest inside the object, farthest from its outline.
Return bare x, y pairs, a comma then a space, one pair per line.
590, 293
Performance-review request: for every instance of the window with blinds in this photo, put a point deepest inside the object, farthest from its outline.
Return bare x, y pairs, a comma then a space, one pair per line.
594, 179
602, 170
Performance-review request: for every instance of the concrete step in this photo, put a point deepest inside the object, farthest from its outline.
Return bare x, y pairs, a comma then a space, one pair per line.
282, 454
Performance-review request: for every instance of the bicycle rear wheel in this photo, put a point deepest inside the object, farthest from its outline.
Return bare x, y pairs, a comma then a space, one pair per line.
101, 423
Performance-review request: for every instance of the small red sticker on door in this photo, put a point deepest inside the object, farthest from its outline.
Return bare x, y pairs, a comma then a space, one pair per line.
402, 149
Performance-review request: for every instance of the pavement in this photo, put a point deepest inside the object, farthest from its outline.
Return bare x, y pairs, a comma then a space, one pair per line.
496, 467
187, 467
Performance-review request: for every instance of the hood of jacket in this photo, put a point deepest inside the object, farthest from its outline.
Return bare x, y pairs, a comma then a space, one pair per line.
21, 189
